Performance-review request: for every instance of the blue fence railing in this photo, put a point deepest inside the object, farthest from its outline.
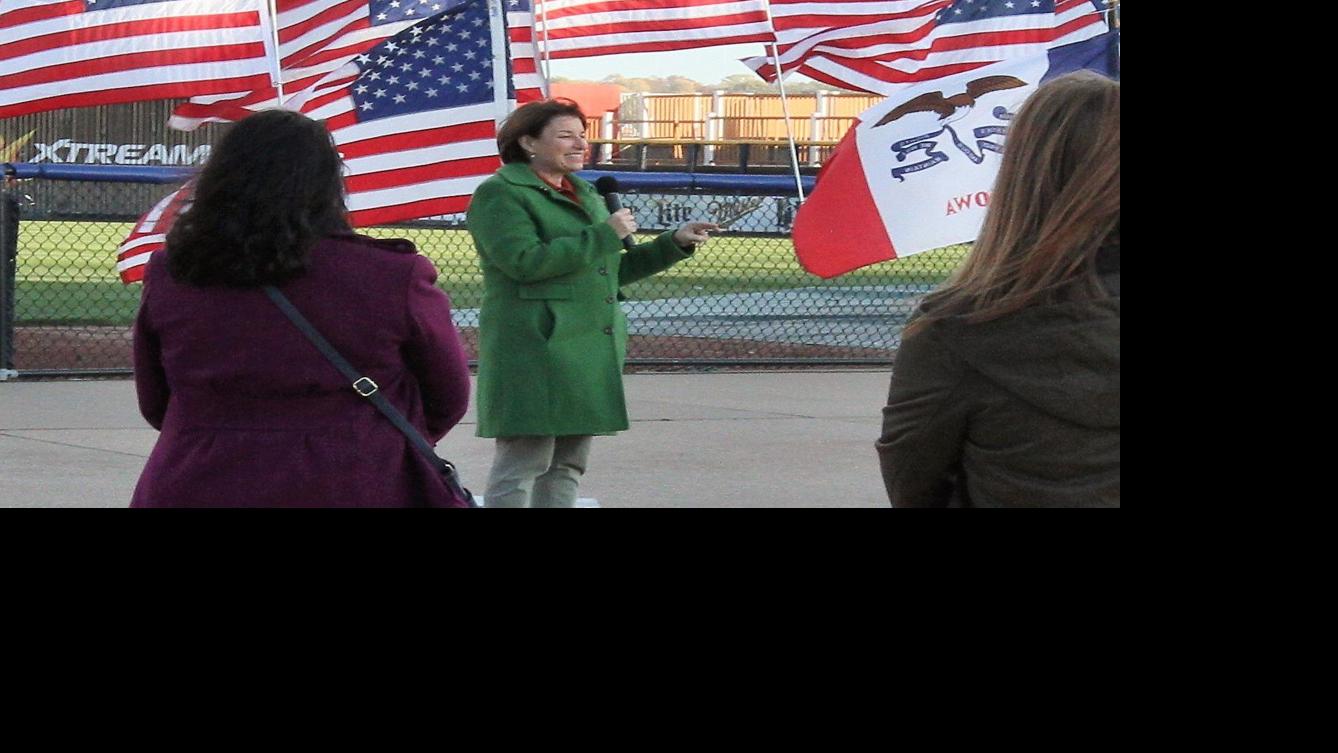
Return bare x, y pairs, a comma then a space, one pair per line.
778, 185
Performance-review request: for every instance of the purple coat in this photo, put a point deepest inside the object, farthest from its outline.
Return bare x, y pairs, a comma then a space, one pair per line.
252, 415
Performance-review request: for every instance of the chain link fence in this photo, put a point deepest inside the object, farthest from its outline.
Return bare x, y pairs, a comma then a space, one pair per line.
742, 300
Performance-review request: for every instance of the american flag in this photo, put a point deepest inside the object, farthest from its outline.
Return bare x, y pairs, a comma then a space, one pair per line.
150, 233
880, 47
585, 28
57, 54
316, 37
530, 83
414, 119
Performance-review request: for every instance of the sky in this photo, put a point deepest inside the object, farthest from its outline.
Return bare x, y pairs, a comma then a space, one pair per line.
707, 65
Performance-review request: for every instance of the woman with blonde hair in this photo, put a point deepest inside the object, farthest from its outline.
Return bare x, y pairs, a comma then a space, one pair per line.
1006, 389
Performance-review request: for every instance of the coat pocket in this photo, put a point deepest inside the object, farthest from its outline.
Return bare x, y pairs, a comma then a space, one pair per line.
546, 291
547, 321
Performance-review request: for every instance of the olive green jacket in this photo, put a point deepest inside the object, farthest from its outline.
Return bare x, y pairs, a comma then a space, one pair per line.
1020, 411
552, 335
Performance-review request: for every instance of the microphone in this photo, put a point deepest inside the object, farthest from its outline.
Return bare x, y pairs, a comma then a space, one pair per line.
608, 188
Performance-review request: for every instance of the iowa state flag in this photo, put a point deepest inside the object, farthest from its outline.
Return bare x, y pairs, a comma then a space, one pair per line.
915, 172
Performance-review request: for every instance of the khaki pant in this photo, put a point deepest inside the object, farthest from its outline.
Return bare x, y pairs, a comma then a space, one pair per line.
537, 471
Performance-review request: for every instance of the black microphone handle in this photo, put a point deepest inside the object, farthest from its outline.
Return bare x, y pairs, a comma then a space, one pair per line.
614, 203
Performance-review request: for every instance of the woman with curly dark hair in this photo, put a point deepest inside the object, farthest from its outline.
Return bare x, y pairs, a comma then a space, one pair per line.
250, 412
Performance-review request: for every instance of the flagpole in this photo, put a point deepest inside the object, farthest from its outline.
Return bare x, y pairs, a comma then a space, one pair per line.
534, 41
543, 5
501, 52
785, 107
789, 127
276, 75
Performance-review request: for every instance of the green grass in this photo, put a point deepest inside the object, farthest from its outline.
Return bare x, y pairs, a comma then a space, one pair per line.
67, 270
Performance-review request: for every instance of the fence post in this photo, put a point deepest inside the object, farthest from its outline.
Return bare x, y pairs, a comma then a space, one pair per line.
9, 253
815, 127
606, 132
715, 122
711, 138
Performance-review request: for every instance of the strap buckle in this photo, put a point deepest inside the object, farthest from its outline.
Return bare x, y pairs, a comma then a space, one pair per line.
365, 387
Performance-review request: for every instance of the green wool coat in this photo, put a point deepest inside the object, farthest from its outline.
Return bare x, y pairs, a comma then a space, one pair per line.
552, 335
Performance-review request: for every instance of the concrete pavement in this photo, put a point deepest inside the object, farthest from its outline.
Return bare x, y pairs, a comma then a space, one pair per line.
765, 439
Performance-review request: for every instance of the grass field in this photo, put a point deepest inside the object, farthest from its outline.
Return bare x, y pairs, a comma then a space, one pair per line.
67, 270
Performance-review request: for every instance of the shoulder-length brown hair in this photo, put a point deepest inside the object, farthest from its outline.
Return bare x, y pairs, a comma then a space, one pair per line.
530, 120
1056, 201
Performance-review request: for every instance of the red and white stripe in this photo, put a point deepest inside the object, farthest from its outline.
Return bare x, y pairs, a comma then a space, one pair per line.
395, 169
423, 164
1075, 21
586, 28
54, 54
529, 80
404, 168
150, 234
318, 37
401, 168
908, 46
797, 19
847, 29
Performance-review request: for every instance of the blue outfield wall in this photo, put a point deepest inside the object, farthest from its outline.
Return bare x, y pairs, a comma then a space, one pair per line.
770, 185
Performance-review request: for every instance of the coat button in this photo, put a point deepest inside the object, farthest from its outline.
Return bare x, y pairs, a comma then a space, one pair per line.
610, 299
608, 330
603, 271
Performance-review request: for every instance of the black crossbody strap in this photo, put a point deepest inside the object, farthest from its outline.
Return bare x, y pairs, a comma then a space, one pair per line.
365, 387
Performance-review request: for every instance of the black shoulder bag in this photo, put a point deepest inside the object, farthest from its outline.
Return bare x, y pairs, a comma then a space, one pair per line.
368, 389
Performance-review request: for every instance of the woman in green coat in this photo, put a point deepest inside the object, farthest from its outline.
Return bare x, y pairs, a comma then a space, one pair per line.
552, 336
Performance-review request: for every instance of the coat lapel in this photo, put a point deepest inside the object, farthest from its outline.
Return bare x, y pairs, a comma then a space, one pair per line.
520, 174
